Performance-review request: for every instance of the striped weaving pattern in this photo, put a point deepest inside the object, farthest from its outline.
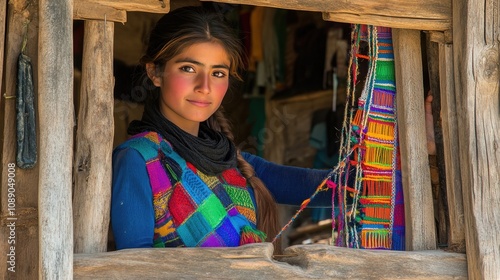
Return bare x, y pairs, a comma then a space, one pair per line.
370, 192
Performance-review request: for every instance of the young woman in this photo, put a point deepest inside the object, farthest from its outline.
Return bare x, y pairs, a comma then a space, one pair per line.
180, 180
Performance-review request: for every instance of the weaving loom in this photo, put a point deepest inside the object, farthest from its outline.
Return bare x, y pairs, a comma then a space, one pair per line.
366, 183
370, 198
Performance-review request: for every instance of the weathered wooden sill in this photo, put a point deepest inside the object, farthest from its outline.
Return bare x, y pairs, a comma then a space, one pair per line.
255, 261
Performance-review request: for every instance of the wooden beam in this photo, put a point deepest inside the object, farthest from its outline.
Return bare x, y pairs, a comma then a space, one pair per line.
94, 141
351, 14
412, 14
477, 81
26, 180
87, 10
419, 214
56, 133
255, 261
449, 115
150, 6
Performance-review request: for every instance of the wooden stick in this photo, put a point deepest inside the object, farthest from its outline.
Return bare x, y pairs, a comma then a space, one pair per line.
56, 134
419, 214
94, 141
456, 231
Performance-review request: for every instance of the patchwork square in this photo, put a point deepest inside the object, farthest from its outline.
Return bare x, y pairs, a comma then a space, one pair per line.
233, 177
194, 230
228, 233
180, 205
212, 210
211, 181
143, 146
241, 195
160, 182
198, 190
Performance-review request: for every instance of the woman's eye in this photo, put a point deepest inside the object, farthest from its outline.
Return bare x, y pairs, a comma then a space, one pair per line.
188, 69
219, 74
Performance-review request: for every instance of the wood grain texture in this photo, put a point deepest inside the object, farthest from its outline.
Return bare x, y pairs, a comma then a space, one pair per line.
87, 10
150, 6
476, 35
94, 140
56, 134
419, 215
456, 231
255, 261
413, 14
26, 180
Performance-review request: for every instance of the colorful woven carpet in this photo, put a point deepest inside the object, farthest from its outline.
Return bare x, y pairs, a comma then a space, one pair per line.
369, 192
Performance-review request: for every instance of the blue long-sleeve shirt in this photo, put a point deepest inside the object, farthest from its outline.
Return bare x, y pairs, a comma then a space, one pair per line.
132, 212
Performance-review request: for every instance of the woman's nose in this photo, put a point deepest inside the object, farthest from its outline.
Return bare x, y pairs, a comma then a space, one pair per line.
203, 83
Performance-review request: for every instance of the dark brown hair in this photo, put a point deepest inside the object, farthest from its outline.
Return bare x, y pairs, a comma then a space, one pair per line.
182, 28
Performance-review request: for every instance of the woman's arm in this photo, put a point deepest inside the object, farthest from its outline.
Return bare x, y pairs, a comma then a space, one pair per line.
291, 185
132, 213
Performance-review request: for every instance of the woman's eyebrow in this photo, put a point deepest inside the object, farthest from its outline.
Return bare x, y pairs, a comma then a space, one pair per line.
189, 60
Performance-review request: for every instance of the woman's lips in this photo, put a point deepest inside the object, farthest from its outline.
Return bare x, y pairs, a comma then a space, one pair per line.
199, 103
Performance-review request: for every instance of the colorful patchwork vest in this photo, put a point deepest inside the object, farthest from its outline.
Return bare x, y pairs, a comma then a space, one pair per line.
193, 209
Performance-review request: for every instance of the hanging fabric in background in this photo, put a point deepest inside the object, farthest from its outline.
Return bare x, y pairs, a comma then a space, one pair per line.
370, 194
25, 112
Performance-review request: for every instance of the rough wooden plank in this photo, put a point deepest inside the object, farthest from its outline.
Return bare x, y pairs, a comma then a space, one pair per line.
456, 230
88, 11
255, 262
412, 14
56, 134
352, 14
150, 6
331, 262
476, 68
419, 215
26, 181
94, 141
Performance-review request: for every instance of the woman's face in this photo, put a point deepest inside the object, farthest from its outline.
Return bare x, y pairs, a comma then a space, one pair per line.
193, 84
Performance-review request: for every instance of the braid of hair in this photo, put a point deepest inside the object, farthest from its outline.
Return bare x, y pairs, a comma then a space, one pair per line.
267, 209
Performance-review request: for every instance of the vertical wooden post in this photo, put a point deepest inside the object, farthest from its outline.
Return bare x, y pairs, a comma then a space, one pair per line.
25, 188
456, 231
476, 44
56, 133
419, 214
92, 168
